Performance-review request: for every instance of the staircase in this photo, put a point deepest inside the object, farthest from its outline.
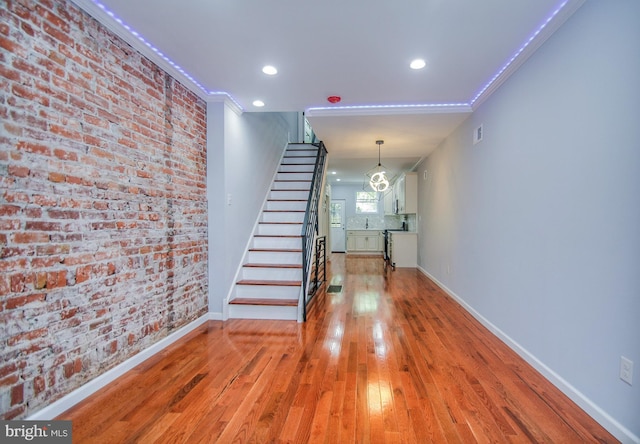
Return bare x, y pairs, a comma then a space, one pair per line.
270, 281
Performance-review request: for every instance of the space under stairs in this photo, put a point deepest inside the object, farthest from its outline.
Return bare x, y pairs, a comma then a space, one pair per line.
270, 281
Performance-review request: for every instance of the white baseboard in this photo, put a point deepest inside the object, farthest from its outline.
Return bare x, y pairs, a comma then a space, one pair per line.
65, 403
216, 316
603, 418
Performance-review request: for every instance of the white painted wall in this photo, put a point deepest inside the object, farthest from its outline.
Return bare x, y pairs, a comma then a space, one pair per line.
537, 228
243, 152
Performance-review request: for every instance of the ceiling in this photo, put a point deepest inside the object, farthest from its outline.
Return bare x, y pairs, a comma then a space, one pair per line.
358, 50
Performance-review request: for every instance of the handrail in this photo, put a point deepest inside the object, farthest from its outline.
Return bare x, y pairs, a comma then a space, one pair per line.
310, 224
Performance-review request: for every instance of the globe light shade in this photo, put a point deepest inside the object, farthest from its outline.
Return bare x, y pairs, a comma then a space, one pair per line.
379, 182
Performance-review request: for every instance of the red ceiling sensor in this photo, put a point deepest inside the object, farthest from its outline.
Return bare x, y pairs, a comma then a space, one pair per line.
334, 99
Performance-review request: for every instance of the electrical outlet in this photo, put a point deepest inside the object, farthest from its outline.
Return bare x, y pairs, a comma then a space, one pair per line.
626, 370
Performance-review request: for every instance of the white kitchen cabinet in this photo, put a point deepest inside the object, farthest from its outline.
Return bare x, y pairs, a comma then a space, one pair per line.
389, 202
364, 241
403, 249
405, 194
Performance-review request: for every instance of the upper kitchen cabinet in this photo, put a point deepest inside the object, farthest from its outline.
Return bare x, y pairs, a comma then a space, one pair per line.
389, 202
405, 194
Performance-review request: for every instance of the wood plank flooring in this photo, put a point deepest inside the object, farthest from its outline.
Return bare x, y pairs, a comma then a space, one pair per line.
390, 359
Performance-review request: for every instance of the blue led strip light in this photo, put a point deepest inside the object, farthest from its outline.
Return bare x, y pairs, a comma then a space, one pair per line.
488, 85
174, 65
518, 52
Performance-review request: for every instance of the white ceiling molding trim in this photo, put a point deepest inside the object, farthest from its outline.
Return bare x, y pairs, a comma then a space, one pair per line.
386, 110
546, 30
109, 20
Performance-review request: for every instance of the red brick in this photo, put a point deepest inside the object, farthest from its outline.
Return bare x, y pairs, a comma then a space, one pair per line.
56, 177
18, 171
65, 155
56, 279
68, 369
21, 301
11, 45
27, 336
41, 280
9, 210
34, 148
8, 369
30, 237
17, 394
38, 385
83, 274
28, 68
63, 214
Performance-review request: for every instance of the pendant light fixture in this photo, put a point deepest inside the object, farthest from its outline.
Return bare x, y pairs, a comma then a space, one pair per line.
378, 179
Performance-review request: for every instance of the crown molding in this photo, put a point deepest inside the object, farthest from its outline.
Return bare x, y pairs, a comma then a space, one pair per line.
386, 110
114, 24
560, 15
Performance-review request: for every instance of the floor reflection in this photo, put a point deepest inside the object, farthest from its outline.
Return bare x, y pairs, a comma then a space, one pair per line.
366, 302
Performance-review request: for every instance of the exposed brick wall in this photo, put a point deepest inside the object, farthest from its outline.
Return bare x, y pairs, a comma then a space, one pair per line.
103, 221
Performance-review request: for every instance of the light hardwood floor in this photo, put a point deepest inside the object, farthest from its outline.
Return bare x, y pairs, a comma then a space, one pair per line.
389, 359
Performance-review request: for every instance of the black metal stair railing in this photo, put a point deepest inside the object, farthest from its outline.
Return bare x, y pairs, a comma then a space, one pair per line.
317, 277
310, 224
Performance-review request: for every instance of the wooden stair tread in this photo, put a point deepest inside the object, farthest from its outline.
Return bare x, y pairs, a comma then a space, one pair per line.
265, 282
278, 250
276, 302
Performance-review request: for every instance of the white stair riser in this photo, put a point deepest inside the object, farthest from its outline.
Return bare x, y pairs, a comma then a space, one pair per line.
274, 257
269, 216
267, 292
289, 195
296, 168
280, 229
294, 176
271, 274
297, 185
277, 243
286, 205
263, 312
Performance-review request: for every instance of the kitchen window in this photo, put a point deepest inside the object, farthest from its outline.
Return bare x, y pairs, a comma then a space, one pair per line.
366, 202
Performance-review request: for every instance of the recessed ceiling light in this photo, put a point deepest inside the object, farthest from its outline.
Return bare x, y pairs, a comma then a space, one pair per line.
418, 64
333, 172
337, 180
258, 103
270, 70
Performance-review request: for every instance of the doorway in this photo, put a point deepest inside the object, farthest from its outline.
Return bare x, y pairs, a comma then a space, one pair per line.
338, 225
